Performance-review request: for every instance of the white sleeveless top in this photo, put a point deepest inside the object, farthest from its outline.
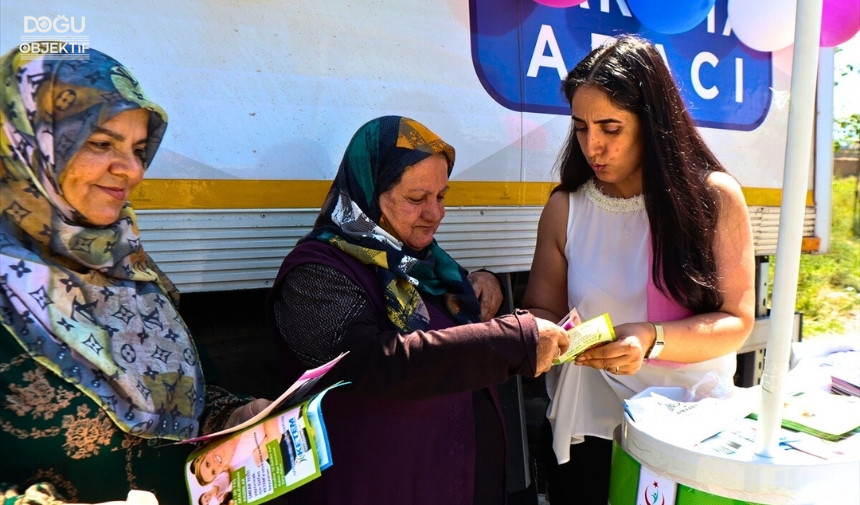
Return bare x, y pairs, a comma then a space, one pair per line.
608, 254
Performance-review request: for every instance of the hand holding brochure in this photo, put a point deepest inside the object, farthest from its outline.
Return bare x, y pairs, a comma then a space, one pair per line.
584, 335
279, 449
263, 461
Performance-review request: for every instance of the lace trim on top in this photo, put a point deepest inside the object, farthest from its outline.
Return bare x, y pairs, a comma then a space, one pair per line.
611, 203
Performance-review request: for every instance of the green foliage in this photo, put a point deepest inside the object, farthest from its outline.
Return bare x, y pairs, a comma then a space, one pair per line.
846, 132
828, 285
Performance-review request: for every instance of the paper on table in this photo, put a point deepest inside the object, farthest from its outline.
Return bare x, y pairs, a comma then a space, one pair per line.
824, 415
687, 423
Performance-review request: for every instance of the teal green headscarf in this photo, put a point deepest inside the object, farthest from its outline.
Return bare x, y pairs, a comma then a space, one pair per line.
86, 301
378, 154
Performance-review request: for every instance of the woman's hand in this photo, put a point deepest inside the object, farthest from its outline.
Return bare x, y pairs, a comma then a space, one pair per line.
489, 292
625, 355
245, 412
552, 343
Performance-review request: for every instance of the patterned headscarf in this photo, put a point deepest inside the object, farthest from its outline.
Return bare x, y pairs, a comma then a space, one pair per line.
86, 301
378, 154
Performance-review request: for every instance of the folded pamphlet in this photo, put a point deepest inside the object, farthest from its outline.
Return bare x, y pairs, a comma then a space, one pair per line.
281, 448
584, 335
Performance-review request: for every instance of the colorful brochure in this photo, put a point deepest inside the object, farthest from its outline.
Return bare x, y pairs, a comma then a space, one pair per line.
276, 451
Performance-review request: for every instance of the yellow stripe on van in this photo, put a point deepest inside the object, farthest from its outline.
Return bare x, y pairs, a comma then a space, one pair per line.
769, 197
262, 194
228, 194
173, 194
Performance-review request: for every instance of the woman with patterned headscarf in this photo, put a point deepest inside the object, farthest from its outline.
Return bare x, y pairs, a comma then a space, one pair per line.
98, 368
420, 422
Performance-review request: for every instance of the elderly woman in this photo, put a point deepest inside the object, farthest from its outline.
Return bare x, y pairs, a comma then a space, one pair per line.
420, 422
98, 368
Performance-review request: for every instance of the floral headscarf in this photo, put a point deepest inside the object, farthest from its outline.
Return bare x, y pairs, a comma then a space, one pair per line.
378, 154
87, 302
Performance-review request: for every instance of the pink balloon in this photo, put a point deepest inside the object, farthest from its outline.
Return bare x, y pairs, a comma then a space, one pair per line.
561, 4
840, 20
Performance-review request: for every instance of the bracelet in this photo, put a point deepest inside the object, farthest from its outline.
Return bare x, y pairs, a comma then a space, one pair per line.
657, 347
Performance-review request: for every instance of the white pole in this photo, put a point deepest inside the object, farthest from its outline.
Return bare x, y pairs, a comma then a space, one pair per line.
824, 150
798, 153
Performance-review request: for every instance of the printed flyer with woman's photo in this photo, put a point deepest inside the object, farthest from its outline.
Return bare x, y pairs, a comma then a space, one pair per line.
278, 450
259, 463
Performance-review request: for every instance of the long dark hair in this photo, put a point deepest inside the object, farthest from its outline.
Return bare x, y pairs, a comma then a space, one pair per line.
682, 208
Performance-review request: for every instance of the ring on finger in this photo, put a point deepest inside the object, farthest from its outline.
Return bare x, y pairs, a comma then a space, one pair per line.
616, 369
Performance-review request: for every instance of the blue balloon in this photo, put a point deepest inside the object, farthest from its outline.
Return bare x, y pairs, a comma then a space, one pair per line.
671, 16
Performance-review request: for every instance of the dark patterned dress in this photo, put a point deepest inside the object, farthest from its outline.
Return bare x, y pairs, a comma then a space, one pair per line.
52, 433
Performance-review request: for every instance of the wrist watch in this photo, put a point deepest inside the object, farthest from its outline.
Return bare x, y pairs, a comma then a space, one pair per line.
657, 347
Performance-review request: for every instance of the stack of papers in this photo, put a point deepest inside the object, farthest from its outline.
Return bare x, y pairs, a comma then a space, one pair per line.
844, 371
828, 416
686, 423
847, 384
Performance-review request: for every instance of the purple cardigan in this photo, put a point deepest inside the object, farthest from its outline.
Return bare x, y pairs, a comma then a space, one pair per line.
418, 445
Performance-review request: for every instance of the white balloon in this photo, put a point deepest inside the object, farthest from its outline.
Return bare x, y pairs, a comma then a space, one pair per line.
763, 25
